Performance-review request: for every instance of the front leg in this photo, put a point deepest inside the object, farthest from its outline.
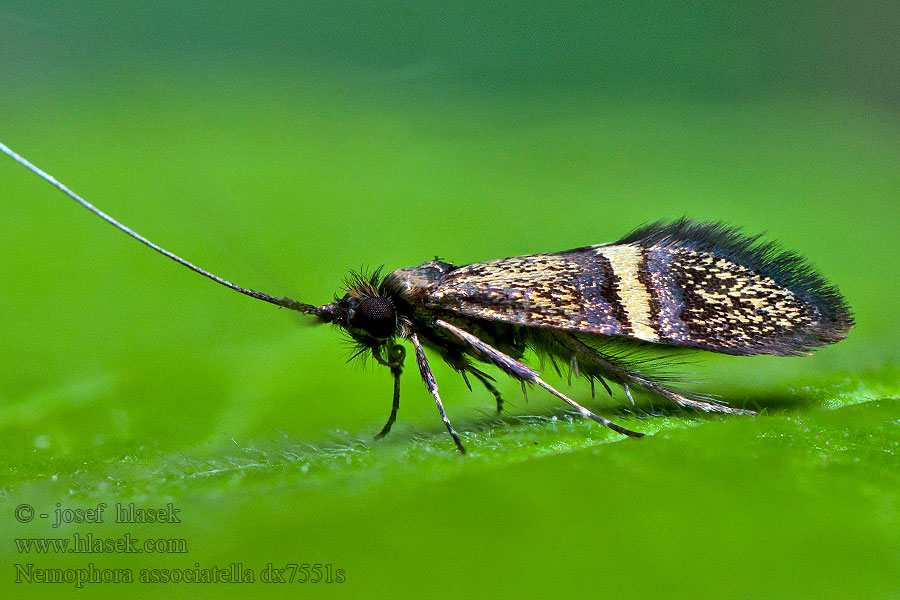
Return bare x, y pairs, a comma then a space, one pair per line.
396, 356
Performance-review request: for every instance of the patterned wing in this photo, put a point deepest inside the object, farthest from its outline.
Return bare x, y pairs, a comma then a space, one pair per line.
685, 283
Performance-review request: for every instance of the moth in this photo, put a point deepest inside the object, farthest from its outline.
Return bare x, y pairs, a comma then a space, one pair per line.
596, 309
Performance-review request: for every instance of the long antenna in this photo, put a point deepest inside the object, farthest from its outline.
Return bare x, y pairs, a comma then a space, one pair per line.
285, 302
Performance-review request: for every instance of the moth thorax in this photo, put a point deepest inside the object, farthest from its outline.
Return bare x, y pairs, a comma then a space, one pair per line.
376, 316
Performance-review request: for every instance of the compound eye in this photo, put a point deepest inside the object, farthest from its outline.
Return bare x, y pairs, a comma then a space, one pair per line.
376, 317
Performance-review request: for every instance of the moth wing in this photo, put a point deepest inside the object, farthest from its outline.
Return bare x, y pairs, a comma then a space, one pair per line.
572, 290
685, 283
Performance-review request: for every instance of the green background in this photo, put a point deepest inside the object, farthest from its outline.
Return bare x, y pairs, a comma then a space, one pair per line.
281, 144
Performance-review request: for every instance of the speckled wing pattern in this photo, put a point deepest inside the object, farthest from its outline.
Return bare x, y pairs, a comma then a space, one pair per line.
686, 283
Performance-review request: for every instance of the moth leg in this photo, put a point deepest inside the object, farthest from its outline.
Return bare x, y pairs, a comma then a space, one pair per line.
431, 384
628, 392
573, 368
623, 375
693, 403
466, 379
464, 366
394, 408
484, 379
603, 383
396, 356
525, 373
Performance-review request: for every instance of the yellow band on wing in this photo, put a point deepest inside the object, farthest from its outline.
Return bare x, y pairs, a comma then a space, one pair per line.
625, 261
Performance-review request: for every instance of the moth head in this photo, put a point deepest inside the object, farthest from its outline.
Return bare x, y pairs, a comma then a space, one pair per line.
365, 311
367, 319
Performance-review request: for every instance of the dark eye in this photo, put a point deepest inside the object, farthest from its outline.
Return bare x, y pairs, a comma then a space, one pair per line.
376, 317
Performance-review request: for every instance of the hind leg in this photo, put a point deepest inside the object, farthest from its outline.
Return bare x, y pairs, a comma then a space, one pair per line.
593, 362
525, 373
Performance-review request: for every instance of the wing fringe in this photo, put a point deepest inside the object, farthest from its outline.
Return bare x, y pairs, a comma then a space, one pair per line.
768, 258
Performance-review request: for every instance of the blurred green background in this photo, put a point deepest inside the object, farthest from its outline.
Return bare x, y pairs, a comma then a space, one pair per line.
281, 144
